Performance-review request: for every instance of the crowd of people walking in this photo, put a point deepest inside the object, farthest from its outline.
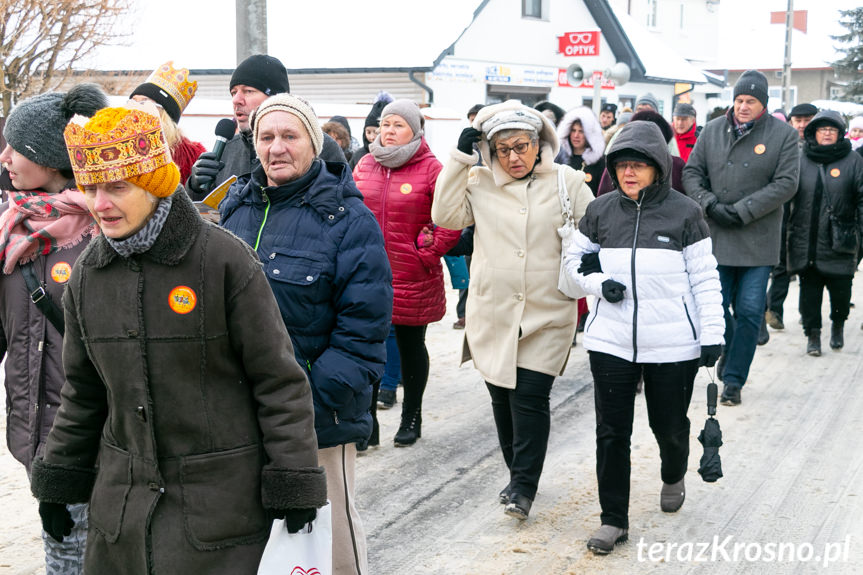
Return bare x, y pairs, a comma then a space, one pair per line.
237, 373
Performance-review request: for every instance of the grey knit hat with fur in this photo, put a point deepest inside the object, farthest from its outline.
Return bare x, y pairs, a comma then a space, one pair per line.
35, 126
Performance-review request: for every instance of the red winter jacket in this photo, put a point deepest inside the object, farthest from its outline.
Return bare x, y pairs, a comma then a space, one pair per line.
401, 200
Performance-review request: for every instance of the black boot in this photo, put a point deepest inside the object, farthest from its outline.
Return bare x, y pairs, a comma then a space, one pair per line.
763, 334
411, 427
837, 336
813, 347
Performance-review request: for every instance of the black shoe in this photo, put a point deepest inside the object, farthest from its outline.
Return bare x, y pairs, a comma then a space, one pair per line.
763, 334
505, 494
813, 346
730, 395
411, 428
837, 335
386, 398
518, 506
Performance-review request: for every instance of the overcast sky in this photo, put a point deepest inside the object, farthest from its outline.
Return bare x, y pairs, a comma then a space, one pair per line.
356, 33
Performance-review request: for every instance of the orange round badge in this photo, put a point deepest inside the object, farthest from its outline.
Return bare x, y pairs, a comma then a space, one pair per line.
588, 177
406, 189
835, 172
182, 299
759, 149
60, 272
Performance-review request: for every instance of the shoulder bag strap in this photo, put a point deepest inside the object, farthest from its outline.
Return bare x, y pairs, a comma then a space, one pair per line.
42, 298
563, 195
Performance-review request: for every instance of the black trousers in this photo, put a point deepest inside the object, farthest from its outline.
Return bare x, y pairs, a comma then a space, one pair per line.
667, 390
411, 340
812, 284
523, 419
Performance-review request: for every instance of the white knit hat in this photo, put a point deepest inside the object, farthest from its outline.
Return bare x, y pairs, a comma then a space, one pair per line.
292, 105
517, 119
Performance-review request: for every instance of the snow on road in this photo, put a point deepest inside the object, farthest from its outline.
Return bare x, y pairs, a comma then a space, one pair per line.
790, 500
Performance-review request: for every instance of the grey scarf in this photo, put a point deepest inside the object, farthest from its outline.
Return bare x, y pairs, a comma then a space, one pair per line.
395, 156
144, 239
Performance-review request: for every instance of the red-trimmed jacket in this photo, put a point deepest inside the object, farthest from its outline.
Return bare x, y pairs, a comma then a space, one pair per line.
401, 200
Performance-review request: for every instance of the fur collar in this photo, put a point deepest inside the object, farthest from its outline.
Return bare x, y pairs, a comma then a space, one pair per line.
178, 234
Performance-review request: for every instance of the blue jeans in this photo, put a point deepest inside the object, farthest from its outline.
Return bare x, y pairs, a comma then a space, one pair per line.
393, 366
744, 289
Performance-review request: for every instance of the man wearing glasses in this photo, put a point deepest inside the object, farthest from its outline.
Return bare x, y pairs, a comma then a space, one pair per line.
743, 168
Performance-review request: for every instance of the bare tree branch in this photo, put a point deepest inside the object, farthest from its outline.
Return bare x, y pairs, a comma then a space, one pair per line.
42, 41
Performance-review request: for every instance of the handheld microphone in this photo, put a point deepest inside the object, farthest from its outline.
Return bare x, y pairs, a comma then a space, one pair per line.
225, 130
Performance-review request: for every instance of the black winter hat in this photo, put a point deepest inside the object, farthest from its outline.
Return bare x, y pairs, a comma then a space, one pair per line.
803, 110
558, 112
343, 121
825, 118
35, 126
263, 73
630, 155
752, 83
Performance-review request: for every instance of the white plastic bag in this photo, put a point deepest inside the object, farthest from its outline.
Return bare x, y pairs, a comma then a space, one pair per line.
566, 284
307, 552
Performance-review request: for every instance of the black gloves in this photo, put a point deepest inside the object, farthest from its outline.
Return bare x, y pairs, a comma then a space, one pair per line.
468, 137
612, 291
56, 520
725, 215
295, 519
204, 172
709, 355
590, 264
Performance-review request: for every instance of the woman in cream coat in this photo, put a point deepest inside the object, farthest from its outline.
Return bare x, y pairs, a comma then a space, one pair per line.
519, 327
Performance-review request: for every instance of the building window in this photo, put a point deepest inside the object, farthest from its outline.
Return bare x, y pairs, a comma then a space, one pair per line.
531, 8
651, 13
835, 92
681, 16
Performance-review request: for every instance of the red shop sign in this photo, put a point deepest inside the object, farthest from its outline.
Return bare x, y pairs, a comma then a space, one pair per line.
579, 43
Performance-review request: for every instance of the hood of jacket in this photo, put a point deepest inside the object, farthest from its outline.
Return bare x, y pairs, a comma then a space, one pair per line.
549, 145
592, 133
825, 118
646, 138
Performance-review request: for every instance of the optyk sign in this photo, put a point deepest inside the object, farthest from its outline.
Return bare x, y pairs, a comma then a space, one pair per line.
579, 43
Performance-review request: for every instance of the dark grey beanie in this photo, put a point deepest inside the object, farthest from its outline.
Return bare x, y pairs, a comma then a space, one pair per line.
752, 83
408, 110
35, 126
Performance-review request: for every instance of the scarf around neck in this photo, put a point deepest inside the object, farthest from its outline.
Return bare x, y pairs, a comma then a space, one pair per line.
143, 239
38, 223
395, 156
826, 154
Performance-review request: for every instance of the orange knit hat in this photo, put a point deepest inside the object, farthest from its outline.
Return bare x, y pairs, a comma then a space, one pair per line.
122, 144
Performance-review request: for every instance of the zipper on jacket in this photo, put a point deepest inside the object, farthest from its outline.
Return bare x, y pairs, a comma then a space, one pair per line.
689, 318
386, 192
634, 291
263, 223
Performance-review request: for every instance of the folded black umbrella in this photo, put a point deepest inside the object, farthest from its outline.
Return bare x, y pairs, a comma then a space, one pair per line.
711, 438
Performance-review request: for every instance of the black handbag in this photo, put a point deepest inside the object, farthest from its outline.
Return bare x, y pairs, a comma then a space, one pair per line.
843, 235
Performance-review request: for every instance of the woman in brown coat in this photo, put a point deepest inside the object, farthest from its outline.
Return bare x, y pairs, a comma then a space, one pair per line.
180, 377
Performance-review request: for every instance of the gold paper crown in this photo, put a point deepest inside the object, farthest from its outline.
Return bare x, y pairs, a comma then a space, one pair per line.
116, 144
175, 83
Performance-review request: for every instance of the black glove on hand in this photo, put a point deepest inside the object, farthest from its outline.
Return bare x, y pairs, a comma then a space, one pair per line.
725, 215
590, 264
468, 137
709, 355
204, 172
56, 520
612, 291
295, 519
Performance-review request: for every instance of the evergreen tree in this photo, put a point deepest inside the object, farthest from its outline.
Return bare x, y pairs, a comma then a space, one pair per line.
852, 47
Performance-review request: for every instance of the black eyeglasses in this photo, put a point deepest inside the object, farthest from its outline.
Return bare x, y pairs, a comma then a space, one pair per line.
519, 149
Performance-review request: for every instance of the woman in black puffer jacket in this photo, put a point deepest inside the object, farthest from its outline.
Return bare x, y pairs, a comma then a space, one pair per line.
828, 204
